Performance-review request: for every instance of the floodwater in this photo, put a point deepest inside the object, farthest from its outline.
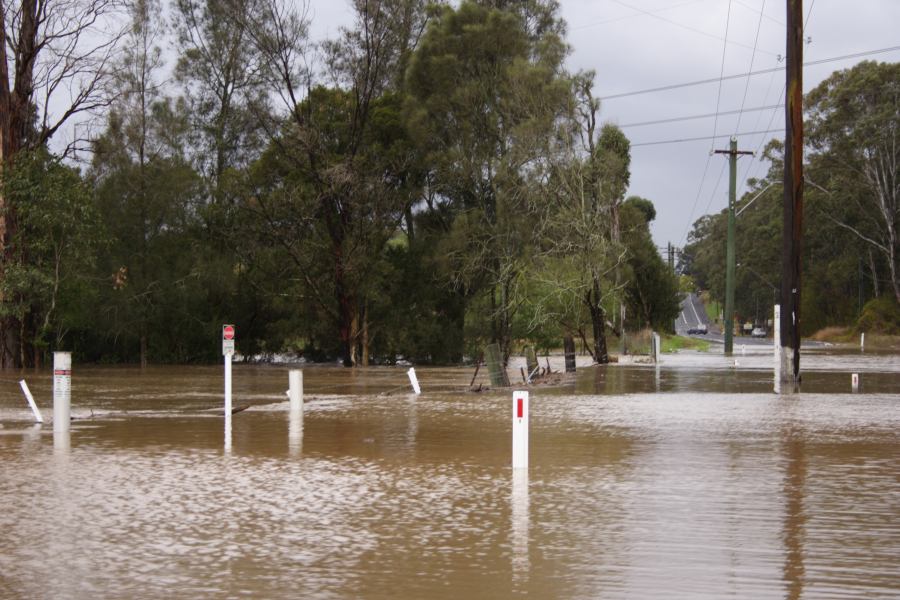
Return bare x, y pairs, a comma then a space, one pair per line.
690, 480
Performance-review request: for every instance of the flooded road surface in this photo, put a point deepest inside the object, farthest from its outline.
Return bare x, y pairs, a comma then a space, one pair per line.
688, 481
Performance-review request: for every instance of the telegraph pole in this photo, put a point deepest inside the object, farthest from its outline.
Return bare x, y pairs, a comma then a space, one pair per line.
733, 154
793, 196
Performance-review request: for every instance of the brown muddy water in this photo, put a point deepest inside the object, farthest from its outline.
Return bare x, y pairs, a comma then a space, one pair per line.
691, 480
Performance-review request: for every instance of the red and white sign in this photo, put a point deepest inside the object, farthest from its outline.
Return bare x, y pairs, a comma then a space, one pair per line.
227, 340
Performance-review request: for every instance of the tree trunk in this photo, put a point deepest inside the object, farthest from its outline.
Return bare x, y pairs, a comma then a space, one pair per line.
598, 323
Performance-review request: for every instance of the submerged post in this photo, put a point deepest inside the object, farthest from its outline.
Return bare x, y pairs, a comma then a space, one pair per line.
520, 430
777, 350
34, 409
414, 381
295, 382
569, 350
62, 391
854, 382
228, 351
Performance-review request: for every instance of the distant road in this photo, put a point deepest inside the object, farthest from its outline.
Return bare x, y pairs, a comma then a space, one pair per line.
693, 313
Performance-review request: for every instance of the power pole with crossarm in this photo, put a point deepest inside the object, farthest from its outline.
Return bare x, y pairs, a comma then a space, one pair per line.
733, 154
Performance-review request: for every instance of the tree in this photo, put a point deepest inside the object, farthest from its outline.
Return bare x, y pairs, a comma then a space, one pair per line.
339, 176
52, 68
651, 288
222, 73
53, 262
486, 95
854, 136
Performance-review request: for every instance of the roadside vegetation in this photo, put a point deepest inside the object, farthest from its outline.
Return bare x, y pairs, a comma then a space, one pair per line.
851, 214
429, 180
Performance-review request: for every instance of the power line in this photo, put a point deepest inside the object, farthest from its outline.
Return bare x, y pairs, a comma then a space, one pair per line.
715, 123
687, 27
707, 137
631, 16
752, 58
703, 116
750, 74
721, 71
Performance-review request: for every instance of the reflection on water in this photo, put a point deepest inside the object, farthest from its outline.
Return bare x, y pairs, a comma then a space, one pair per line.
710, 487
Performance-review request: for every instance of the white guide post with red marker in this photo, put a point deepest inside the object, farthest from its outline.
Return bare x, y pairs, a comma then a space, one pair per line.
62, 391
520, 430
227, 352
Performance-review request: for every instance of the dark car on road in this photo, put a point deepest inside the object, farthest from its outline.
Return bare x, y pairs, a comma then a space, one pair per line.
700, 329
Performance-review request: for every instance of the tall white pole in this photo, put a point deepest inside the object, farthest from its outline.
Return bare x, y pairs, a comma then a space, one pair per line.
520, 430
62, 391
228, 400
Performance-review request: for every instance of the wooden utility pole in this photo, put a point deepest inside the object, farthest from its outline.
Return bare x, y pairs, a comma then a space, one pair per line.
733, 154
793, 196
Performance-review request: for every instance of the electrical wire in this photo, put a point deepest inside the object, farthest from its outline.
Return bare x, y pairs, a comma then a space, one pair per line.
752, 58
687, 27
675, 86
706, 137
704, 116
715, 123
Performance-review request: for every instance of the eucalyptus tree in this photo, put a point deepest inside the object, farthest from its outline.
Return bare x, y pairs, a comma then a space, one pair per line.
221, 72
53, 68
854, 137
146, 191
579, 274
337, 177
487, 94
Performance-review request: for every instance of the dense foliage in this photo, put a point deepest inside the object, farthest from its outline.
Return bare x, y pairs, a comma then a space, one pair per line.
429, 180
851, 213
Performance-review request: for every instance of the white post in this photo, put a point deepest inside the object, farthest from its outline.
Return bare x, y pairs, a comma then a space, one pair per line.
776, 341
62, 391
295, 380
30, 398
854, 382
743, 349
520, 521
228, 400
414, 381
520, 430
657, 343
862, 341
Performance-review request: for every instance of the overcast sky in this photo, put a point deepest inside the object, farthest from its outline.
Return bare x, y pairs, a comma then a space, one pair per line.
639, 44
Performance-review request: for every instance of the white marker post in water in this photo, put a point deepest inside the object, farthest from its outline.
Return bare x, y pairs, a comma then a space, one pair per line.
30, 398
227, 352
854, 382
414, 381
62, 391
520, 430
295, 390
776, 344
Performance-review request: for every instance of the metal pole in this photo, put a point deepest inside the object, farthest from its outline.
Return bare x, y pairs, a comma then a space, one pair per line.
228, 400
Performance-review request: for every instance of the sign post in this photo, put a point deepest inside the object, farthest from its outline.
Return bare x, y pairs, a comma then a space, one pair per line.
62, 391
228, 351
